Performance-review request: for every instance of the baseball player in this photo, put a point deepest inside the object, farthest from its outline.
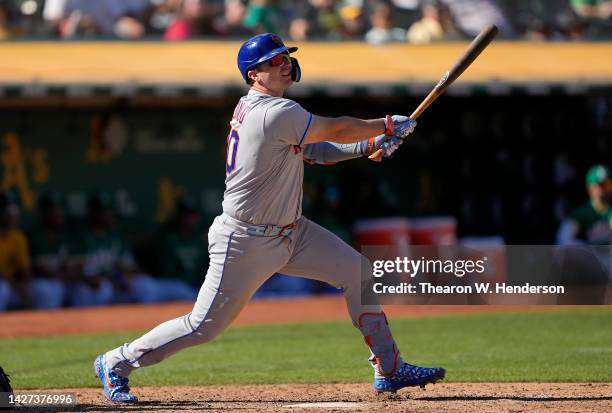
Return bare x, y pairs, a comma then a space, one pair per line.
591, 223
262, 231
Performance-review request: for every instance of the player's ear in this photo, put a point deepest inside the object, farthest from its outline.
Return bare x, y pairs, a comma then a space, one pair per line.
252, 75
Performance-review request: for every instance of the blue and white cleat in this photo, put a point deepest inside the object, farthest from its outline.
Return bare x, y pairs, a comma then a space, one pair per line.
116, 388
408, 375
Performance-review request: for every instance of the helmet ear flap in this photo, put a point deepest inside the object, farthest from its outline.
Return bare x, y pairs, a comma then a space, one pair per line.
296, 72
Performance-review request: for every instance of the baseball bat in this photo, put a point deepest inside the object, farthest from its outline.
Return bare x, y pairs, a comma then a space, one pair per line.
479, 43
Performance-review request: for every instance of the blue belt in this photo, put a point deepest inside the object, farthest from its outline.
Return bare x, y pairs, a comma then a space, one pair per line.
270, 230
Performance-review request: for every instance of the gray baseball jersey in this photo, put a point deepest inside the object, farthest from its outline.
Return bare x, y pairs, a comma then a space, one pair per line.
265, 169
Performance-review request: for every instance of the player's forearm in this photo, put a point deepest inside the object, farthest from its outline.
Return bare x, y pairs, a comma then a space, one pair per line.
352, 130
344, 129
331, 152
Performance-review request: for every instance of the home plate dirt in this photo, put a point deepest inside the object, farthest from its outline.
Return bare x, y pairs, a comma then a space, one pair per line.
326, 405
442, 397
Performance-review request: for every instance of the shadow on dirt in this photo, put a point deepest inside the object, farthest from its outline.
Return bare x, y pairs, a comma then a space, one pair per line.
143, 406
509, 397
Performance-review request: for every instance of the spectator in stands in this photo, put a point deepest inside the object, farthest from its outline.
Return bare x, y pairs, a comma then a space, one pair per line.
592, 222
436, 24
5, 19
406, 12
106, 261
597, 9
325, 19
382, 30
471, 16
265, 16
353, 22
107, 18
163, 14
567, 27
95, 287
182, 250
546, 20
17, 287
230, 23
50, 245
596, 15
53, 14
14, 258
194, 19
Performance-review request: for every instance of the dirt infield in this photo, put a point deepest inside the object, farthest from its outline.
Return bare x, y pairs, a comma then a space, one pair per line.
142, 317
451, 397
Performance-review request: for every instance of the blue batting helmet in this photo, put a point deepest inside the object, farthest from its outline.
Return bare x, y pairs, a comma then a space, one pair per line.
261, 48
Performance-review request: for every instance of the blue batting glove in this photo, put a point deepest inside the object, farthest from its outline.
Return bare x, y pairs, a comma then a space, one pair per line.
391, 146
399, 126
388, 144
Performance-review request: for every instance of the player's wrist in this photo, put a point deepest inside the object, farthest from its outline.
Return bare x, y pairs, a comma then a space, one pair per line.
388, 125
367, 146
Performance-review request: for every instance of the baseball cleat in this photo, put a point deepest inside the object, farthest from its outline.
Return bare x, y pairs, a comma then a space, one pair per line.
408, 375
116, 388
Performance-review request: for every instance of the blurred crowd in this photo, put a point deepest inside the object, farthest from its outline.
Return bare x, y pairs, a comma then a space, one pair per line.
376, 21
59, 262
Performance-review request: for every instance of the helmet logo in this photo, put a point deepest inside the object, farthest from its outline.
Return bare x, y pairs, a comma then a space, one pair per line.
276, 40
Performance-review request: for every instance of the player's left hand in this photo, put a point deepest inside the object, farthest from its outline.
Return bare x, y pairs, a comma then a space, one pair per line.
388, 144
399, 126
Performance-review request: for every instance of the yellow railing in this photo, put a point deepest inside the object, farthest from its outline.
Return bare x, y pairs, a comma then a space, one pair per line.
215, 62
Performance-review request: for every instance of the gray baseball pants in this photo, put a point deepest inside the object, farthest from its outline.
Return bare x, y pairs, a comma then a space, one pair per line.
239, 265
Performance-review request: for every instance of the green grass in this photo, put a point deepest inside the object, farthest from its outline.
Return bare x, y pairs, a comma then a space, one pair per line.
565, 346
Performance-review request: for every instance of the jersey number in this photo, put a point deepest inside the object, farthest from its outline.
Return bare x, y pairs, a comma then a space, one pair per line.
232, 149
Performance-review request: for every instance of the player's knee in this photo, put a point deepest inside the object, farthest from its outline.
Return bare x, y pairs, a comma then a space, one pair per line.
352, 273
205, 335
202, 330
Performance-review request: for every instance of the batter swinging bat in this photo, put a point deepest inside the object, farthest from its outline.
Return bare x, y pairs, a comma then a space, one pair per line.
465, 60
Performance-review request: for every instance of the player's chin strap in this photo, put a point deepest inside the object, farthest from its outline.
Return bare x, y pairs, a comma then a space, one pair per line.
296, 72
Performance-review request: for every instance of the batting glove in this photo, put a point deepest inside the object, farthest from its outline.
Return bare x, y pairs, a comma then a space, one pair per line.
399, 126
391, 146
388, 144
